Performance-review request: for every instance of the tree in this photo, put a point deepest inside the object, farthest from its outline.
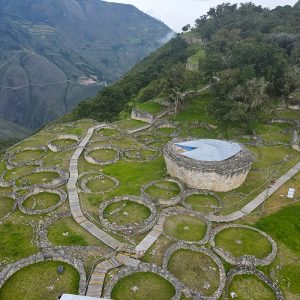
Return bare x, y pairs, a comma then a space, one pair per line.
186, 28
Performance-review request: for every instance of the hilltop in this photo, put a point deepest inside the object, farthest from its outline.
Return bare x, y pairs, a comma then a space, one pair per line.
55, 53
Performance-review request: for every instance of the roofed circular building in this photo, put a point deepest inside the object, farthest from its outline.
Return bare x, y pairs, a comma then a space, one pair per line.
214, 165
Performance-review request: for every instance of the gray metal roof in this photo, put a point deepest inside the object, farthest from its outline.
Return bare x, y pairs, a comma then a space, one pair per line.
209, 150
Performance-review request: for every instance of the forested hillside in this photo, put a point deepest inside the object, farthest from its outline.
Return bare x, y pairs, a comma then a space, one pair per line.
252, 50
55, 53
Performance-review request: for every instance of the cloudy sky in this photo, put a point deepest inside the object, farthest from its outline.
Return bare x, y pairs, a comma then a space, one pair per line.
177, 13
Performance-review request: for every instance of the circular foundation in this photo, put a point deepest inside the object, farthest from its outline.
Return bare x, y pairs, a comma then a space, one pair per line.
136, 154
130, 228
110, 155
63, 143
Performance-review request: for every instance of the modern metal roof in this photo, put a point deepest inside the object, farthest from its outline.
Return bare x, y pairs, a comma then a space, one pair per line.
209, 150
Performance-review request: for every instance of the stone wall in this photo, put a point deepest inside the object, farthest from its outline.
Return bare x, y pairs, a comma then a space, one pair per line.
143, 116
221, 176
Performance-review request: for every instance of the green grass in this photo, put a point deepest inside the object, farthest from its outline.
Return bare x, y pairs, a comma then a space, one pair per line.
243, 241
140, 154
64, 143
249, 287
130, 124
150, 107
202, 203
150, 286
27, 155
41, 281
289, 277
15, 242
103, 154
197, 57
166, 130
284, 226
66, 232
274, 133
37, 178
41, 201
108, 132
185, 227
195, 269
6, 205
163, 190
17, 172
97, 185
128, 212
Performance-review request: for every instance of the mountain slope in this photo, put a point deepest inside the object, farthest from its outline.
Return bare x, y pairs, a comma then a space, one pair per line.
54, 53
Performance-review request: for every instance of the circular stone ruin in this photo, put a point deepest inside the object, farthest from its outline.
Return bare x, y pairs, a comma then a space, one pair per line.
146, 281
128, 214
184, 225
198, 268
102, 155
213, 165
96, 182
108, 132
243, 245
7, 206
164, 192
140, 154
63, 143
203, 201
166, 129
41, 201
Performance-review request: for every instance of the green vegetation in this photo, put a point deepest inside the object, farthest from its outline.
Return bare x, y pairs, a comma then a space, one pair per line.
195, 270
41, 281
202, 203
66, 232
126, 212
17, 172
16, 241
103, 154
97, 185
150, 107
249, 287
185, 227
41, 201
150, 286
28, 155
243, 241
64, 143
6, 205
108, 132
163, 190
37, 178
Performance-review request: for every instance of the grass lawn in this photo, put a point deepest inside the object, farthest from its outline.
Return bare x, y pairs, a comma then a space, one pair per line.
243, 241
66, 232
15, 242
6, 204
126, 212
163, 190
140, 154
150, 107
185, 227
166, 130
41, 201
28, 155
273, 133
150, 286
64, 142
196, 270
37, 178
284, 226
17, 172
108, 132
202, 203
97, 185
130, 124
41, 281
249, 287
103, 154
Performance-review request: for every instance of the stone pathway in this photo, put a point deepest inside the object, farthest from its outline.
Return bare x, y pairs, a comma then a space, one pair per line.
74, 197
97, 279
252, 205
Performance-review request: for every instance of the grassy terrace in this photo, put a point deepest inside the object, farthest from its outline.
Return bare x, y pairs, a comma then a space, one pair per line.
150, 107
41, 201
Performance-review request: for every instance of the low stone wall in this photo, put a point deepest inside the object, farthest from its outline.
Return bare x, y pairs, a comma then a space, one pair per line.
220, 176
189, 292
247, 260
130, 229
241, 270
95, 161
164, 202
166, 124
11, 269
139, 157
62, 194
55, 148
143, 267
143, 116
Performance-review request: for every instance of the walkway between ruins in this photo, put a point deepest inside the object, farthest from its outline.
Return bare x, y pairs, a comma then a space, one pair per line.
74, 197
252, 205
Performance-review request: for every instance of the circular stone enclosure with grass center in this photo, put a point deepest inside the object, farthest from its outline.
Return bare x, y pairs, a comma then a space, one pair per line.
140, 154
128, 214
144, 282
95, 182
164, 192
13, 174
102, 155
243, 245
41, 201
185, 225
205, 164
146, 138
198, 268
167, 129
202, 201
7, 204
109, 132
26, 156
63, 143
